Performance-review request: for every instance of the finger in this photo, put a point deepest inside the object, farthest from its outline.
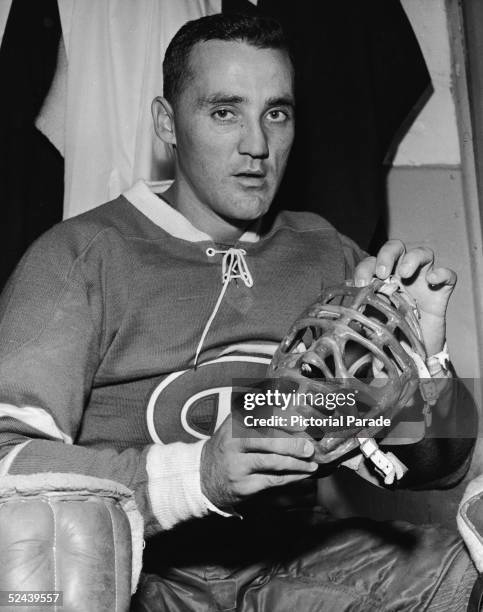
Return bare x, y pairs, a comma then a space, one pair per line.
414, 260
292, 424
293, 447
364, 272
270, 462
441, 277
259, 482
387, 258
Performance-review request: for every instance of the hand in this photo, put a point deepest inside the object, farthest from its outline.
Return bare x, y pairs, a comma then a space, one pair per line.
430, 286
235, 468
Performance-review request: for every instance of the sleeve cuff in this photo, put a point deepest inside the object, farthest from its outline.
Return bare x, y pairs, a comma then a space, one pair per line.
174, 483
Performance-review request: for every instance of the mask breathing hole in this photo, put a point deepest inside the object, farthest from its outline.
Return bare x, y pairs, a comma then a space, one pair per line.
394, 358
373, 313
303, 339
309, 370
358, 360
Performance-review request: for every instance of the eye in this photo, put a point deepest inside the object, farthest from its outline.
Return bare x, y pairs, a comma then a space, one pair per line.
277, 116
223, 114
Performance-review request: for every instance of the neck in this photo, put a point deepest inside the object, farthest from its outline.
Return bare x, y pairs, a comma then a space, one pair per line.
203, 218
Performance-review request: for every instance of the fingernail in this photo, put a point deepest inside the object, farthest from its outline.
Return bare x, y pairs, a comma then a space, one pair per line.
360, 282
308, 448
381, 270
313, 466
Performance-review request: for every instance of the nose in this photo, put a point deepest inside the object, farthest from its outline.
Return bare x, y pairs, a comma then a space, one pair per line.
253, 140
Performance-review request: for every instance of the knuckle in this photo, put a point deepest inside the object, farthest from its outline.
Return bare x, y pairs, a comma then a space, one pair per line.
282, 446
366, 263
259, 462
275, 479
289, 446
246, 442
290, 464
297, 446
226, 450
395, 242
244, 489
232, 469
420, 251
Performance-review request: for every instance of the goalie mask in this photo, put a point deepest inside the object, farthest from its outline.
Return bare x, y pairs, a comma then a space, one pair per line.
361, 340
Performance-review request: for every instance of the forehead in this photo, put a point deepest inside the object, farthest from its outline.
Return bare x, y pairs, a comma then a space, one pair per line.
238, 68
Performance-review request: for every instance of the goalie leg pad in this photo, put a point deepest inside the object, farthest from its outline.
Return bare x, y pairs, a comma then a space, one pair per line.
72, 534
470, 520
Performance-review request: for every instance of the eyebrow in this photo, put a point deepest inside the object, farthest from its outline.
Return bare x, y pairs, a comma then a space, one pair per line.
219, 98
222, 98
281, 101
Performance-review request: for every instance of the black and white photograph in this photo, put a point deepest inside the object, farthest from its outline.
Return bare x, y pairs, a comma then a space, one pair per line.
241, 305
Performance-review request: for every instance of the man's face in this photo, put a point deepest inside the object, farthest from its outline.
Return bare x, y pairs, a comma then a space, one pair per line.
234, 125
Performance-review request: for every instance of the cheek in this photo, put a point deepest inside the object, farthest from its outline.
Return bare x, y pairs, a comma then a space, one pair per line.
192, 154
189, 145
282, 150
281, 143
206, 152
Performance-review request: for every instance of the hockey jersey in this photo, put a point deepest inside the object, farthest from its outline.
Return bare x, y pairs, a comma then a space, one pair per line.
99, 329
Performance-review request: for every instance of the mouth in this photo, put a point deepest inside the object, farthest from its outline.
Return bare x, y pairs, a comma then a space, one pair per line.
251, 178
251, 173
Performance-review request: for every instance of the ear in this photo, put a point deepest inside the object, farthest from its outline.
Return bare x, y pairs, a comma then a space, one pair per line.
163, 118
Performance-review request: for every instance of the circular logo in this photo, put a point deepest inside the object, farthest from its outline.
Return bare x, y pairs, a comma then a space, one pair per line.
190, 405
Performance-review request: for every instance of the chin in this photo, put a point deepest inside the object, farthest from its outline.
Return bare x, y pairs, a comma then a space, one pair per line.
251, 209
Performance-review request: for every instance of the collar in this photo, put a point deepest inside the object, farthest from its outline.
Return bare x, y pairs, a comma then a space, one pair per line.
144, 196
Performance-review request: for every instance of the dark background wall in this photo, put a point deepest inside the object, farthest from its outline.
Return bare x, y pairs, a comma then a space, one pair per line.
31, 169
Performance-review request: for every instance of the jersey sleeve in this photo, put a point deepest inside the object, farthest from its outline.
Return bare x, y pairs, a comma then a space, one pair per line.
51, 334
442, 458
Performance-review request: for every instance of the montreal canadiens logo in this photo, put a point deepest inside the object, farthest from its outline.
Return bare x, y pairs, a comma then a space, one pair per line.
190, 405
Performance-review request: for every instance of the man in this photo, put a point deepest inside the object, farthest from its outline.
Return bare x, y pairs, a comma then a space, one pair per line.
122, 331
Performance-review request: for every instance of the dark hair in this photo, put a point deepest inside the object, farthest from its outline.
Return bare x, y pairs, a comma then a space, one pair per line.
261, 32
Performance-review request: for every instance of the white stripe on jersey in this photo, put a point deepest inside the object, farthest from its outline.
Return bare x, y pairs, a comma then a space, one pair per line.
251, 348
9, 458
37, 418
